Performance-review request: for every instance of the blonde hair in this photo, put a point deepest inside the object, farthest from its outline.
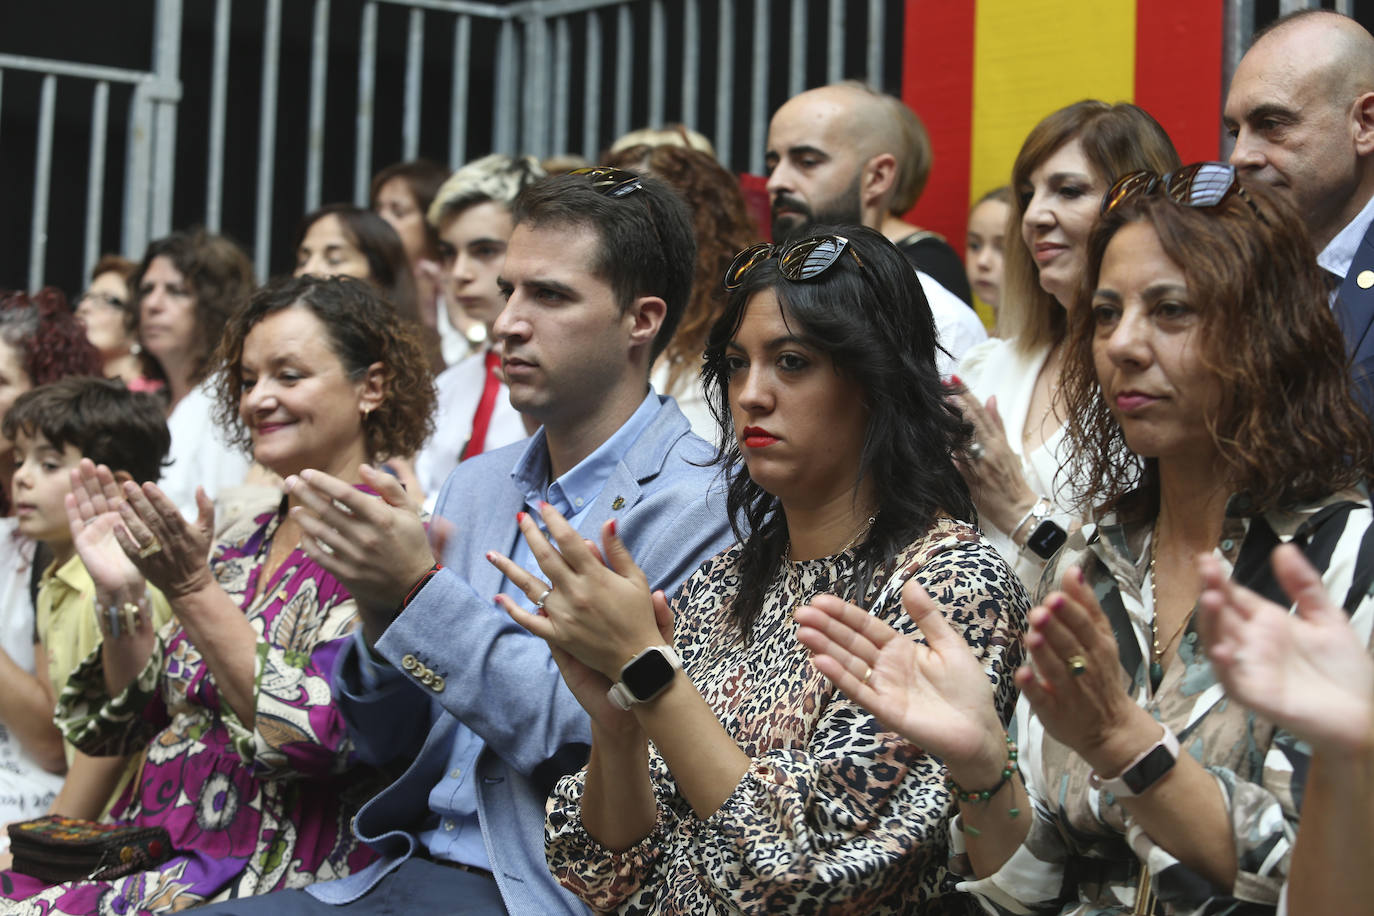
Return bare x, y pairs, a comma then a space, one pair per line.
497, 178
668, 135
1116, 139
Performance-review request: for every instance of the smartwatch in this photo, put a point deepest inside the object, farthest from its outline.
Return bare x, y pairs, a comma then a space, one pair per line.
1046, 539
1144, 771
645, 676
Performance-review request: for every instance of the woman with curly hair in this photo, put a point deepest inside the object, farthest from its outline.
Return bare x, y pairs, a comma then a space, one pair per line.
722, 227
186, 287
1216, 419
726, 774
249, 768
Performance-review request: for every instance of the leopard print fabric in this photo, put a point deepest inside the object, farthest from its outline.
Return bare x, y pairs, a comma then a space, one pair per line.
835, 815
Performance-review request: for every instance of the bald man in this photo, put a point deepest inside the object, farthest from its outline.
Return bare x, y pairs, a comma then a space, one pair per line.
1301, 108
834, 157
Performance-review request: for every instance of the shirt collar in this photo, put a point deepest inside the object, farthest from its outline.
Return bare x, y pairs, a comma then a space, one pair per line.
1340, 251
72, 573
577, 487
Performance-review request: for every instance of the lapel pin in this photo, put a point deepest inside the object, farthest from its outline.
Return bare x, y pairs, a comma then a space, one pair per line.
1365, 279
618, 503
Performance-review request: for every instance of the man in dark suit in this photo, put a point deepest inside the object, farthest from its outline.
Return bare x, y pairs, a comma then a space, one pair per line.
439, 680
1301, 109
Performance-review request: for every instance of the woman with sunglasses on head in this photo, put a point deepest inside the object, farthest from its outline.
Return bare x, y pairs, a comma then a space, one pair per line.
1013, 383
1204, 348
764, 789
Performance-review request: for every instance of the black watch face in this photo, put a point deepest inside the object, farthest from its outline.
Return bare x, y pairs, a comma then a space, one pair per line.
1148, 771
647, 675
1046, 539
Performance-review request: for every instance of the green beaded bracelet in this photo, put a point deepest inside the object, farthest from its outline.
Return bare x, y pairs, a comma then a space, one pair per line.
983, 795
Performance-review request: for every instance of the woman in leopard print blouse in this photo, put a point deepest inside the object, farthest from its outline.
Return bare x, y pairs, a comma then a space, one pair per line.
740, 780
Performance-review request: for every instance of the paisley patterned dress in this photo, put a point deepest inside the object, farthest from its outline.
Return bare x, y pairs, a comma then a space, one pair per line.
835, 815
250, 810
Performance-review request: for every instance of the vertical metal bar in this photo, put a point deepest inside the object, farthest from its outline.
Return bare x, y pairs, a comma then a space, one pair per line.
1292, 6
796, 57
415, 61
504, 111
95, 175
834, 53
367, 91
591, 96
267, 137
137, 172
725, 80
458, 109
658, 63
758, 98
562, 76
42, 176
219, 91
877, 28
319, 71
167, 69
2, 87
536, 102
1238, 25
691, 61
624, 49
1346, 7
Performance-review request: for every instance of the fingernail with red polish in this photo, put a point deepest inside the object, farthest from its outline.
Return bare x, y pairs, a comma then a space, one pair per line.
519, 518
1056, 603
545, 505
613, 528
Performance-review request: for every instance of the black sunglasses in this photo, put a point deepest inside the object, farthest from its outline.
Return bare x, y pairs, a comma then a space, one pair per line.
1202, 185
611, 181
806, 259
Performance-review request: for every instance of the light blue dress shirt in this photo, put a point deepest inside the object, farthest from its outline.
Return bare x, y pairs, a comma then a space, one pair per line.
453, 832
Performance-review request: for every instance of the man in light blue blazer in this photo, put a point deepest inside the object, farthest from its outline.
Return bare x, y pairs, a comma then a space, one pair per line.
439, 681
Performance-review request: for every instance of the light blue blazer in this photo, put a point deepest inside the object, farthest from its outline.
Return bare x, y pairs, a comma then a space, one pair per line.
482, 668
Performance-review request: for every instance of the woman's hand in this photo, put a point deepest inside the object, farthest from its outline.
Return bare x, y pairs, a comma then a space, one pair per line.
1308, 671
602, 615
1075, 683
935, 695
172, 553
994, 478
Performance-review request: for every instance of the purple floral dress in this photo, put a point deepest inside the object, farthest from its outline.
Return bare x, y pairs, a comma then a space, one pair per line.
249, 810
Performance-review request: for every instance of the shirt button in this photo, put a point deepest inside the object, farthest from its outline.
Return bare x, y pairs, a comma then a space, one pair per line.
455, 773
1227, 544
578, 502
448, 825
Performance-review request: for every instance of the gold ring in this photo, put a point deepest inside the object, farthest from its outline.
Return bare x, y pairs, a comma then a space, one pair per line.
867, 674
1078, 665
152, 548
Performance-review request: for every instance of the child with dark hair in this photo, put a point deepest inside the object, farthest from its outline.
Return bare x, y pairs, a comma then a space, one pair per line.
53, 427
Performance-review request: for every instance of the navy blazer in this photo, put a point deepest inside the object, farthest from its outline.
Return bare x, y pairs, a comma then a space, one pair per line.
1355, 314
465, 659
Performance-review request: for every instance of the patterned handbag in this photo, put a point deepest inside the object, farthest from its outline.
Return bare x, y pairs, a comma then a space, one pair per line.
59, 849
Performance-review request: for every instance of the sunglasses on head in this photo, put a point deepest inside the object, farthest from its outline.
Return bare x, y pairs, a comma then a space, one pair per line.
611, 181
806, 259
1202, 185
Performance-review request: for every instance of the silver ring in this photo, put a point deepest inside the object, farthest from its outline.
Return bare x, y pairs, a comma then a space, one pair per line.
539, 602
976, 450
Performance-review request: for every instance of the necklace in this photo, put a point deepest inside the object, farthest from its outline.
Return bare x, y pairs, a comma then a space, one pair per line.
868, 525
1156, 653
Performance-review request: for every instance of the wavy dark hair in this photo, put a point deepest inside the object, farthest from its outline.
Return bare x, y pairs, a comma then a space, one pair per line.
217, 272
387, 265
50, 342
1288, 427
870, 316
363, 329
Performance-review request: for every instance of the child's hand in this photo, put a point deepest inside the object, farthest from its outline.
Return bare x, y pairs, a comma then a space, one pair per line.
93, 516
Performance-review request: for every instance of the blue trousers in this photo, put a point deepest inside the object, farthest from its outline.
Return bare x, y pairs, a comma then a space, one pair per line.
416, 886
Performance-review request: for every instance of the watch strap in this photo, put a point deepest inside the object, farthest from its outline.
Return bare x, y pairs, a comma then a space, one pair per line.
620, 695
1144, 771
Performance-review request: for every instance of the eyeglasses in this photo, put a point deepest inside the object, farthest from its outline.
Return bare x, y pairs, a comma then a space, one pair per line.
105, 299
611, 181
1202, 184
806, 259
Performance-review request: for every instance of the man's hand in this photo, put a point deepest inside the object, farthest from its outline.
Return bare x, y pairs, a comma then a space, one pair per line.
375, 545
